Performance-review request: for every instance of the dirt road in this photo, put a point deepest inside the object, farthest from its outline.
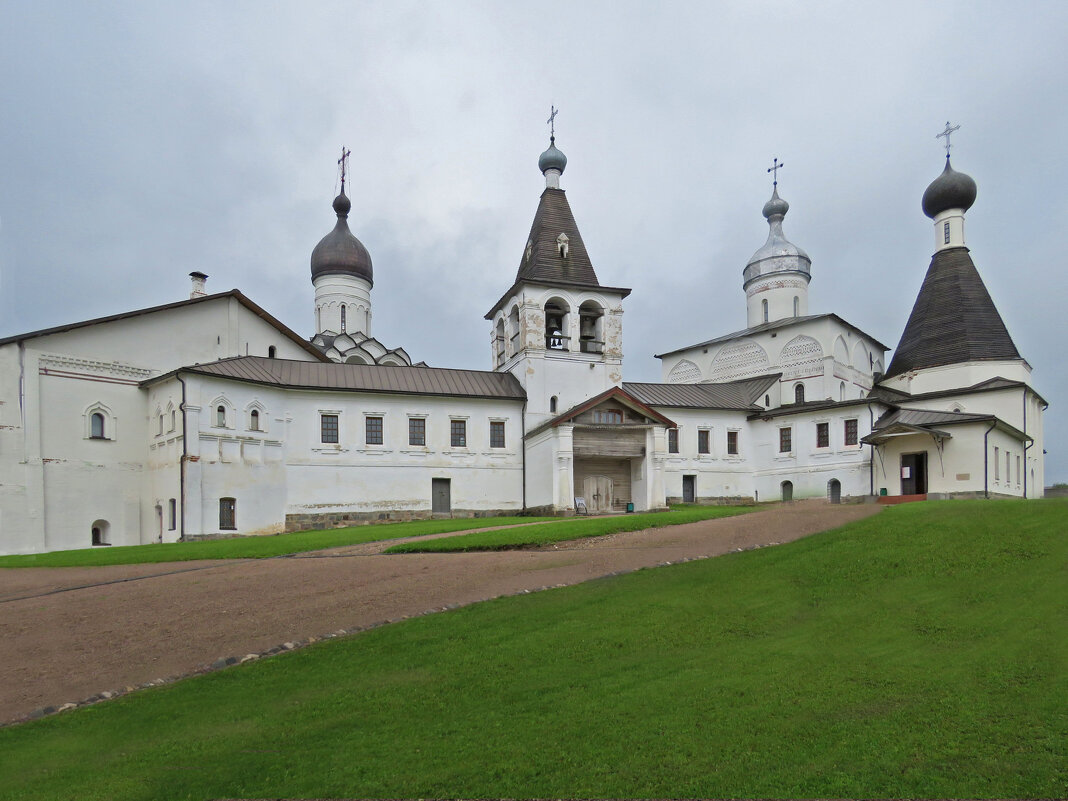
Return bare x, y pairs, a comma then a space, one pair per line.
70, 633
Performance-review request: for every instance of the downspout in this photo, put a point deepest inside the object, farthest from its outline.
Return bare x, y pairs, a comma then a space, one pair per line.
523, 445
1026, 445
181, 463
871, 460
986, 461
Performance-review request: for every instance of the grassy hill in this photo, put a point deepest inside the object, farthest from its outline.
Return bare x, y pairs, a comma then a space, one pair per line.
918, 653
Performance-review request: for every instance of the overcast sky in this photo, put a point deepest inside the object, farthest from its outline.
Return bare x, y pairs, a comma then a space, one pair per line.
141, 141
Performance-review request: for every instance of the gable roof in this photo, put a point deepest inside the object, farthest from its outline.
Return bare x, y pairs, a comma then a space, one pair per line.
954, 319
388, 379
740, 395
612, 393
893, 396
774, 325
285, 330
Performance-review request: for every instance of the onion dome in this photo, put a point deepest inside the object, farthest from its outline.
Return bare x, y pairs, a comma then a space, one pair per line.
950, 190
778, 255
552, 159
339, 252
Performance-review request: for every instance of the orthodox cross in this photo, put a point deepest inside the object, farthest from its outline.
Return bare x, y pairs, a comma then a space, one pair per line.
946, 134
776, 165
551, 122
343, 164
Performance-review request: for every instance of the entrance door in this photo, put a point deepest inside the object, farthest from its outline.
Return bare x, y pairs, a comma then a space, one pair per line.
689, 494
834, 490
598, 493
787, 490
914, 473
441, 495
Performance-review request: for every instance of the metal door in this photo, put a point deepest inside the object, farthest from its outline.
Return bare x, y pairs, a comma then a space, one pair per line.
689, 495
441, 495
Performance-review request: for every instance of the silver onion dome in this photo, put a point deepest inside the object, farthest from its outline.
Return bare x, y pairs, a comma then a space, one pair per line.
339, 252
950, 190
778, 254
553, 158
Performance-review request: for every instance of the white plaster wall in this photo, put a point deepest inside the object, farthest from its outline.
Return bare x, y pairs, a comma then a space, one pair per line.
959, 376
779, 290
718, 474
332, 292
541, 469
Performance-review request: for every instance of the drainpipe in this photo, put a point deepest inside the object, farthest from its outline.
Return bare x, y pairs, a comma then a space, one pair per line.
986, 461
1026, 446
523, 445
871, 460
181, 463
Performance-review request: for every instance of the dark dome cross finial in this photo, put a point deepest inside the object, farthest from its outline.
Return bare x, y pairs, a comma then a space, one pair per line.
946, 134
551, 122
342, 165
776, 165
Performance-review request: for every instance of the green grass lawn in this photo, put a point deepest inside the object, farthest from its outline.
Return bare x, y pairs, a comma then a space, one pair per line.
254, 547
918, 653
570, 529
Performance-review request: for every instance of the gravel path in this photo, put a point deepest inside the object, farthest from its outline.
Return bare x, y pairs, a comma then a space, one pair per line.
70, 633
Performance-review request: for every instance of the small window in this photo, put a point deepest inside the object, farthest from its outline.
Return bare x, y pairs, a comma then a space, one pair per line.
797, 306
174, 419
228, 514
945, 231
374, 431
673, 440
767, 401
704, 441
417, 431
552, 405
850, 432
823, 435
496, 434
458, 432
271, 351
764, 308
1008, 468
328, 428
96, 426
786, 444
159, 431
997, 463
799, 393
613, 416
172, 514
254, 420
220, 416
841, 390
343, 319
1017, 469
732, 443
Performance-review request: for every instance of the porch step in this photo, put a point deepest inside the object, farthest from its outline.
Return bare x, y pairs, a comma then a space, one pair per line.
890, 500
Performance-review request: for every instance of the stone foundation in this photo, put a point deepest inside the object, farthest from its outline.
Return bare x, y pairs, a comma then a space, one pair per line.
319, 520
727, 500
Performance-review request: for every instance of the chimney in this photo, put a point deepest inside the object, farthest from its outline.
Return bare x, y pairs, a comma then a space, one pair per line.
198, 285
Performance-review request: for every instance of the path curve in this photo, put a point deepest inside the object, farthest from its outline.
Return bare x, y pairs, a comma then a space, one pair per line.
70, 633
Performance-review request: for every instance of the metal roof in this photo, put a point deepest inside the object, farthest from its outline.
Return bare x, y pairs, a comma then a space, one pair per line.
541, 255
954, 319
741, 395
928, 417
364, 378
772, 326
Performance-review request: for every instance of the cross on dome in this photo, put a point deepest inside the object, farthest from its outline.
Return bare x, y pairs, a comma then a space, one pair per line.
774, 168
343, 164
946, 134
551, 122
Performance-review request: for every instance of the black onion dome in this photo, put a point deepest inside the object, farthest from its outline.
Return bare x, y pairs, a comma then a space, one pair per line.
950, 190
339, 252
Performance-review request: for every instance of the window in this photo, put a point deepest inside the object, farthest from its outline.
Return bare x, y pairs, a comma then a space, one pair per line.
552, 405
850, 432
841, 390
997, 463
220, 416
328, 427
271, 351
159, 431
1017, 469
797, 306
785, 440
732, 443
703, 441
945, 231
174, 419
458, 433
228, 513
799, 393
1008, 468
417, 431
496, 434
764, 309
767, 400
342, 319
823, 435
172, 514
613, 416
673, 440
374, 431
254, 420
96, 426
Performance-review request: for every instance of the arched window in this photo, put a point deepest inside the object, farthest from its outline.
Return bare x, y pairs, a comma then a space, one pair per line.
254, 420
342, 318
498, 343
160, 431
96, 426
174, 419
797, 306
556, 325
591, 327
841, 391
764, 309
767, 400
552, 405
799, 393
271, 351
514, 329
220, 416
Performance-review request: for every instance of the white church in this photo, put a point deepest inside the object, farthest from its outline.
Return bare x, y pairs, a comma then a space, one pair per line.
208, 417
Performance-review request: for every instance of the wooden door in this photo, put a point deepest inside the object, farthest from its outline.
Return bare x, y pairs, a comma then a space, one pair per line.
441, 495
689, 495
598, 493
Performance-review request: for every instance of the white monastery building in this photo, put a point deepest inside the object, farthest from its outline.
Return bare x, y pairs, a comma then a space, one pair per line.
209, 417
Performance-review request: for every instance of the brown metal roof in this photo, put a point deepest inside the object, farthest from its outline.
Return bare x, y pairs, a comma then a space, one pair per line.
773, 326
954, 319
740, 395
233, 293
365, 377
544, 262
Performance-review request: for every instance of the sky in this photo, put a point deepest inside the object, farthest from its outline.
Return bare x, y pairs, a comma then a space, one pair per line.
142, 141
